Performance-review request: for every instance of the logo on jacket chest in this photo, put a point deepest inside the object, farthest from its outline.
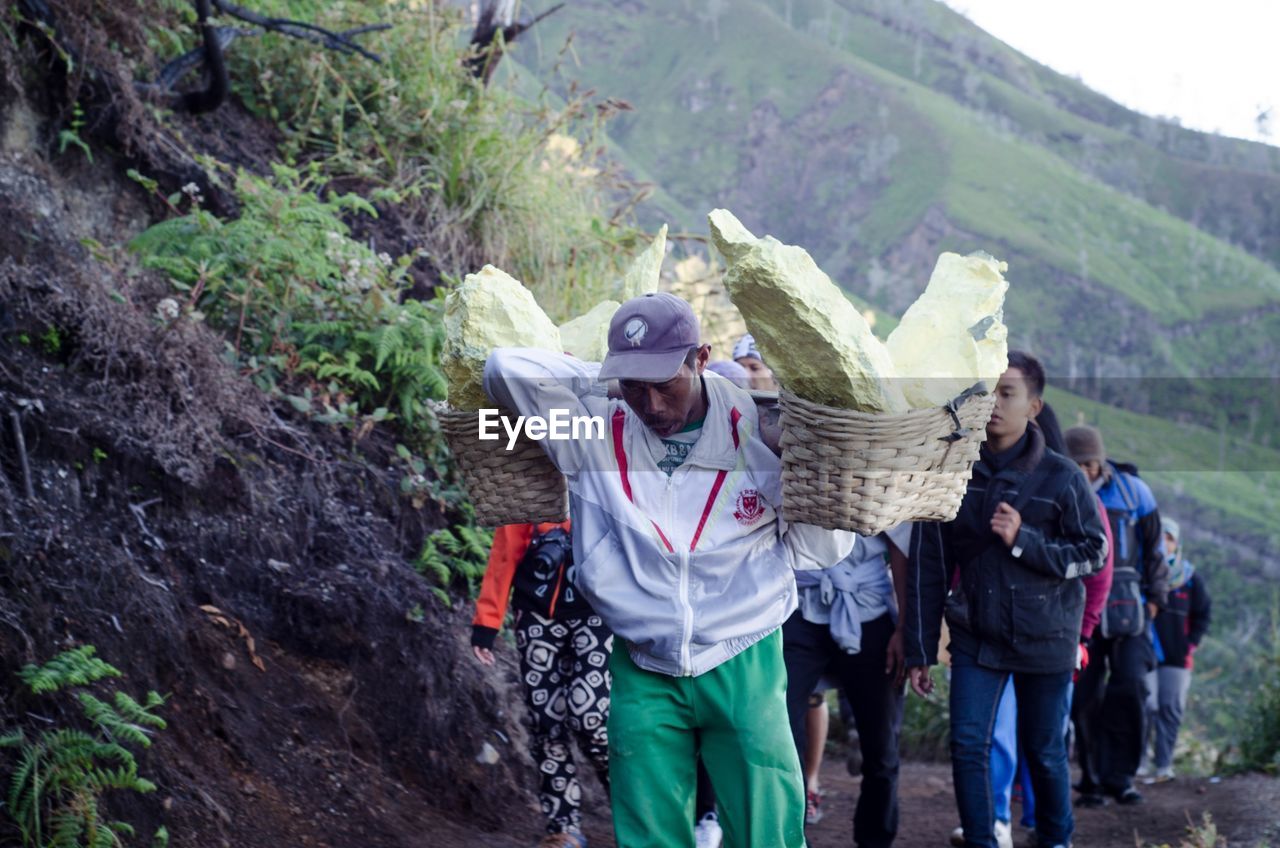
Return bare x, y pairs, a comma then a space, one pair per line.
749, 508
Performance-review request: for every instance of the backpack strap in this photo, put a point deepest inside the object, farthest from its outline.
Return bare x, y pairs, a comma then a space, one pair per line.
1126, 492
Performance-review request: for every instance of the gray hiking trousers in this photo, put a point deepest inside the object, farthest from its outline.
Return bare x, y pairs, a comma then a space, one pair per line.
1167, 689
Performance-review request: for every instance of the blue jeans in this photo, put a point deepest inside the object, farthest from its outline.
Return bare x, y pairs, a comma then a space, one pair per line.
1042, 708
1024, 774
1004, 752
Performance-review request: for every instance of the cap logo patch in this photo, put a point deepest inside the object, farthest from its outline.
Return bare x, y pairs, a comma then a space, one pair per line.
635, 331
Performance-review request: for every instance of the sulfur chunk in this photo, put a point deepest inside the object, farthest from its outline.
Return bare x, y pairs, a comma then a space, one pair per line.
587, 336
817, 342
954, 334
731, 238
643, 275
490, 309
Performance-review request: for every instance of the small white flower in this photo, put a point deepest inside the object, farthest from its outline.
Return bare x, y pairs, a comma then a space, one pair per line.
385, 259
167, 309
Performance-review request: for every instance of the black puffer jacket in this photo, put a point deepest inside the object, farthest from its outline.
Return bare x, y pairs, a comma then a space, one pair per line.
1014, 609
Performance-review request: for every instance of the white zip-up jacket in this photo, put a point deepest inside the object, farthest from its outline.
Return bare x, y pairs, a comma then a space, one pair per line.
688, 570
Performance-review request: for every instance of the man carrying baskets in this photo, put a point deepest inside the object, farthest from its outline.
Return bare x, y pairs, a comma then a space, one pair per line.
680, 547
1027, 531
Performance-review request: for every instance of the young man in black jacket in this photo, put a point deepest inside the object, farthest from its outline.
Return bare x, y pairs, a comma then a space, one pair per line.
1027, 531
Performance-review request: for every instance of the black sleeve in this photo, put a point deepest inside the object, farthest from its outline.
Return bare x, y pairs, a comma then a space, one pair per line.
1200, 613
928, 578
483, 637
1155, 571
1080, 547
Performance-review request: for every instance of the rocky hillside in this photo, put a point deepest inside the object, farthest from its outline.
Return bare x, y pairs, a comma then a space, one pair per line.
218, 464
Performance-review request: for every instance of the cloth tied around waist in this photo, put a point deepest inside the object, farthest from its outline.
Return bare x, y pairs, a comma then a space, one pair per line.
846, 595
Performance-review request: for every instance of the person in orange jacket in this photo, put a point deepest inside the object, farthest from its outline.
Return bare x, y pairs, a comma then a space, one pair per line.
564, 663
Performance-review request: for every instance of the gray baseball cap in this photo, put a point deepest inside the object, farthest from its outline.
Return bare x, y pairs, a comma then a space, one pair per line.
649, 337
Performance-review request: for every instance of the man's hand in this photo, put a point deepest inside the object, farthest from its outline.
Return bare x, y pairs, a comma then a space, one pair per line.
1005, 523
483, 655
1152, 610
895, 659
921, 682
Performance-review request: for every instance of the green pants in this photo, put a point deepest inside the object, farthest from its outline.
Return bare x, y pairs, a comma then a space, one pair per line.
739, 713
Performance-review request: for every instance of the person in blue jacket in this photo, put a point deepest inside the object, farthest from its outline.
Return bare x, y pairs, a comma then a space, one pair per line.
1110, 698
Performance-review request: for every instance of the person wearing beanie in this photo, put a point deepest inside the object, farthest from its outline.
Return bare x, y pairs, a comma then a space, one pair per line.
1111, 695
680, 548
1176, 634
748, 356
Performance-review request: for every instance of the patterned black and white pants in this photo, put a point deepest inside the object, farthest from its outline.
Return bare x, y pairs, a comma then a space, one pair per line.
565, 668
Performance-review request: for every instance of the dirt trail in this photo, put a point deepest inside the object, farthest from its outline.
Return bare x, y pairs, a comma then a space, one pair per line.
1246, 810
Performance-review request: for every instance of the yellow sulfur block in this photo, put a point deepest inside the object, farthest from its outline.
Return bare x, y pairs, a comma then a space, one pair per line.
954, 334
490, 309
817, 342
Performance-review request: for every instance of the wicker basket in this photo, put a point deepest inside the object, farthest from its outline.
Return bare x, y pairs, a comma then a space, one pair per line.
856, 471
516, 486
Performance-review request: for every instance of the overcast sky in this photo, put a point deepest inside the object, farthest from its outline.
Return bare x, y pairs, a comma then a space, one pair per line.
1214, 64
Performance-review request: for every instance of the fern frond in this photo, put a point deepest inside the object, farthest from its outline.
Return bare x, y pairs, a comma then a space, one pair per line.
77, 667
390, 341
141, 713
111, 723
67, 827
24, 783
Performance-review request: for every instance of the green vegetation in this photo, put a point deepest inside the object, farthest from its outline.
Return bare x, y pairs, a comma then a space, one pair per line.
1234, 483
455, 556
907, 131
463, 175
71, 135
926, 724
479, 174
1203, 835
1260, 737
299, 298
61, 774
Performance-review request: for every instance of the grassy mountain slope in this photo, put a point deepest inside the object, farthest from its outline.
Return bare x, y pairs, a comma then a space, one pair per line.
877, 134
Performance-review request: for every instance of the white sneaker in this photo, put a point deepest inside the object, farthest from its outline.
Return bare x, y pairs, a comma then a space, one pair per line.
1004, 834
708, 834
